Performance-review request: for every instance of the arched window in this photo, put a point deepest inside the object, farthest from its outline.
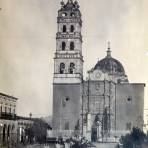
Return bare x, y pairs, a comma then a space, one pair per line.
8, 131
72, 28
64, 14
4, 132
72, 14
63, 45
62, 68
71, 68
72, 46
64, 28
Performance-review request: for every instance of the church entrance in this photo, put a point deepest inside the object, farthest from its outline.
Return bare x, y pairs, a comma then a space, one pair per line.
101, 127
96, 132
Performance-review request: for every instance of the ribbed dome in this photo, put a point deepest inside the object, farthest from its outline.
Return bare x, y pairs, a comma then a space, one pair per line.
110, 65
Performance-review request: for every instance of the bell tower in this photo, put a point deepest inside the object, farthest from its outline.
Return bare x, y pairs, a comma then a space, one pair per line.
68, 61
68, 68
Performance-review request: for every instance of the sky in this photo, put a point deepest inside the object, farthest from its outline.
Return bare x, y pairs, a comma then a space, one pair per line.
27, 45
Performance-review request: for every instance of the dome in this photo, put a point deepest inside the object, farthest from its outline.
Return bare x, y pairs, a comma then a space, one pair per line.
110, 65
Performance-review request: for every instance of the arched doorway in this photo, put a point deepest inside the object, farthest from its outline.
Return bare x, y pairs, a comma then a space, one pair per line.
4, 133
106, 124
13, 136
8, 132
96, 132
21, 131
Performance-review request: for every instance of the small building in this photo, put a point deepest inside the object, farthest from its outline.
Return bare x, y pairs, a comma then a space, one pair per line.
7, 118
12, 127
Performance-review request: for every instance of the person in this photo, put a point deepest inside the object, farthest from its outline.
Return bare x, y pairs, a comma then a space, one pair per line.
57, 145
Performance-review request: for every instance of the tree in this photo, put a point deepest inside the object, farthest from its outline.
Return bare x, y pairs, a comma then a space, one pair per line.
134, 139
38, 131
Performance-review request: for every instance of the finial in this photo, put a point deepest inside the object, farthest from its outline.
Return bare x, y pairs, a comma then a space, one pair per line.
108, 45
108, 50
62, 3
76, 4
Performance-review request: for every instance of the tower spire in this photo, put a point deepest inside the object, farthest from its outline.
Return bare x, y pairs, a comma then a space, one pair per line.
108, 50
62, 3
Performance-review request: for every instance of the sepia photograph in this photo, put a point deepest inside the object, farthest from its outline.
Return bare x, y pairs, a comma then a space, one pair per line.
73, 74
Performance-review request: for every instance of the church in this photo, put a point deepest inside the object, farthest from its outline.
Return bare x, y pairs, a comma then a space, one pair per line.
103, 106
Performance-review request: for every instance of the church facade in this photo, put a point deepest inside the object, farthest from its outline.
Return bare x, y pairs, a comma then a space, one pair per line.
103, 106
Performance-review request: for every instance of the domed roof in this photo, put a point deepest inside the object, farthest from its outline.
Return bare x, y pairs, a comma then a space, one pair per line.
110, 65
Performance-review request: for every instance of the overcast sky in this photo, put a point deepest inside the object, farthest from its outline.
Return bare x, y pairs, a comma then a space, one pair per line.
27, 45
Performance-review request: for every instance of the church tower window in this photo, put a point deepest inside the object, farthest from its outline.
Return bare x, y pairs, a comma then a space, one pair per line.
62, 68
72, 28
72, 46
63, 45
64, 14
64, 28
71, 68
72, 14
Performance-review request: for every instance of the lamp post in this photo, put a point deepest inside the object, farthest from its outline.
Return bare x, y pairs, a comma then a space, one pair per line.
30, 115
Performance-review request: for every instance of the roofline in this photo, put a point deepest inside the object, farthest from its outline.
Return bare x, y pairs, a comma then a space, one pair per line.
144, 84
8, 96
139, 84
97, 66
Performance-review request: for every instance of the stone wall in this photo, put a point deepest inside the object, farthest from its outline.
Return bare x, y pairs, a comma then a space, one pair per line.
66, 106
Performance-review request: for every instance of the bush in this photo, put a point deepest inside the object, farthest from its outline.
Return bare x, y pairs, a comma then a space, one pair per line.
37, 131
133, 140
